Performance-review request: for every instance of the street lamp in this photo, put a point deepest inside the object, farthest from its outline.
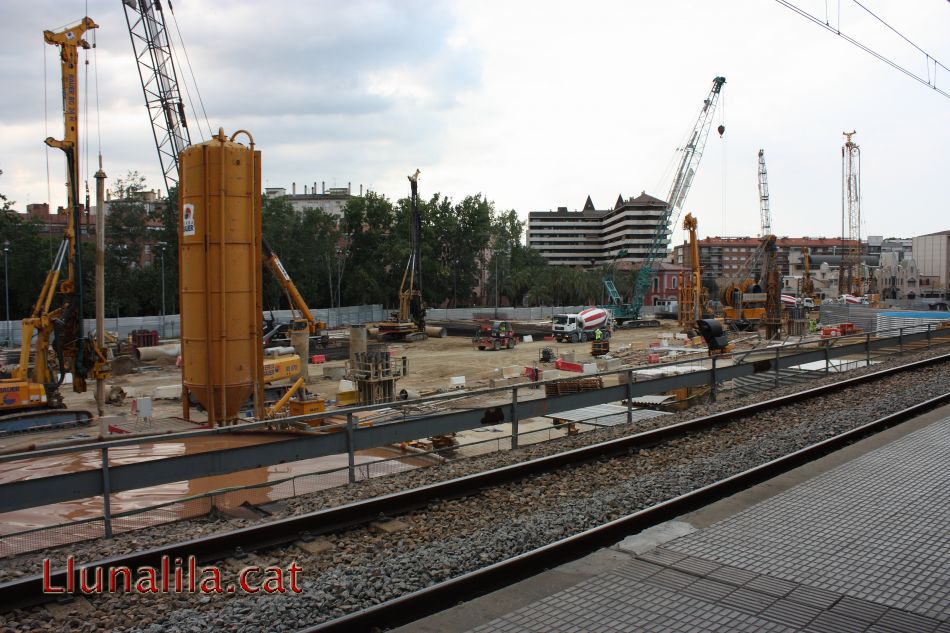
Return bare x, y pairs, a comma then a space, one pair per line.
161, 249
6, 284
495, 255
340, 261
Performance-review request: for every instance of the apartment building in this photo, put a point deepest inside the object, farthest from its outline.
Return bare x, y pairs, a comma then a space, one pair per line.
725, 257
330, 201
594, 237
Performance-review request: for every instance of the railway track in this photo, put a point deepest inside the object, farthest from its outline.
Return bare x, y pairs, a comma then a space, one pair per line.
525, 513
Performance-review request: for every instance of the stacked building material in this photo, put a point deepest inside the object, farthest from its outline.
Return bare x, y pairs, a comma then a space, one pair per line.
573, 385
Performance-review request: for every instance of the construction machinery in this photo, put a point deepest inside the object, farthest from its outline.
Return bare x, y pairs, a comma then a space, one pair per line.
717, 342
691, 300
302, 321
751, 298
692, 152
55, 325
850, 279
765, 213
155, 59
621, 312
409, 323
807, 286
155, 63
495, 336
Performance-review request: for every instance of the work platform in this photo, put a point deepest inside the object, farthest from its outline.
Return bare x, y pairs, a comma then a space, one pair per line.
863, 545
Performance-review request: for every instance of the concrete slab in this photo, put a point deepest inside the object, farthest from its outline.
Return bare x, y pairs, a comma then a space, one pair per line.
654, 536
511, 371
387, 527
167, 392
316, 546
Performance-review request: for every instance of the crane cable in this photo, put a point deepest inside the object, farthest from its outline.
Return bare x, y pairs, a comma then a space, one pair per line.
192, 73
722, 158
928, 81
49, 189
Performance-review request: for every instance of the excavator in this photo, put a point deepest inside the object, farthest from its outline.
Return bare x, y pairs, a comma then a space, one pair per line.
410, 322
55, 324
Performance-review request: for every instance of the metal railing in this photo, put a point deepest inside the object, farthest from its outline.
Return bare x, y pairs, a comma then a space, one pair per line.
413, 422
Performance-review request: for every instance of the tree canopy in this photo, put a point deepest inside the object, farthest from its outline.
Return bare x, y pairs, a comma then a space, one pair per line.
468, 248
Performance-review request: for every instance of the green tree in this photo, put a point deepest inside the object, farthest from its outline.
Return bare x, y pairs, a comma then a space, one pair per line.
377, 252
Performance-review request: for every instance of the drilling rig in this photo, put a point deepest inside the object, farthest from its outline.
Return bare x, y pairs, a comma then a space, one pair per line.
60, 346
691, 301
765, 213
849, 280
410, 322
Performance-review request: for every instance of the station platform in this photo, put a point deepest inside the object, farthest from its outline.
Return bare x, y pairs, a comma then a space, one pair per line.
856, 541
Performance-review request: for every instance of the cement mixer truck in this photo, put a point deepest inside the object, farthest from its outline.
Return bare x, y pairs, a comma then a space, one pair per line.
582, 326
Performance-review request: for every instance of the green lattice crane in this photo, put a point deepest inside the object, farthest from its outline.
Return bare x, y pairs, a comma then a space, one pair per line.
692, 152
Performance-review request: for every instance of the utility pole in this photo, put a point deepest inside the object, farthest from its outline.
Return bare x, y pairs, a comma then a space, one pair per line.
162, 248
100, 280
495, 257
6, 286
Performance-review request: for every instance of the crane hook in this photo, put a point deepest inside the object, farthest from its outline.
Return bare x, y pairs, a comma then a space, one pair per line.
721, 129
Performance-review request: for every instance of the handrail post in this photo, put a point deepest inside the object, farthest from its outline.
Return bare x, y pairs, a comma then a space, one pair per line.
350, 453
514, 417
777, 350
867, 349
713, 383
106, 493
900, 340
629, 396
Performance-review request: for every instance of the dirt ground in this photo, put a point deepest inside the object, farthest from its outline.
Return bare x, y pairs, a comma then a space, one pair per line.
434, 361
431, 363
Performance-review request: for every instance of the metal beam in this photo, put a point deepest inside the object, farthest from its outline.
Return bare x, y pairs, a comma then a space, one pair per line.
84, 484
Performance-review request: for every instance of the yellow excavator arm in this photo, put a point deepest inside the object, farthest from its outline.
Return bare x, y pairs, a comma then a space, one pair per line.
287, 285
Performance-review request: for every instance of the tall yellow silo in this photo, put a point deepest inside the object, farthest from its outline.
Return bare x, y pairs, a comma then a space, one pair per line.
219, 241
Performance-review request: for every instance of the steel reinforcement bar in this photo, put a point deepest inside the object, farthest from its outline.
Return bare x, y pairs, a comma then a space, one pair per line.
29, 591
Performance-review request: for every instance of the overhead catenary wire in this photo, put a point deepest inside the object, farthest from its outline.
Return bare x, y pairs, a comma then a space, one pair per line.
927, 81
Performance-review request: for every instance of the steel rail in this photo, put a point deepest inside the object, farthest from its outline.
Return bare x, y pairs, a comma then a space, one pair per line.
29, 590
414, 606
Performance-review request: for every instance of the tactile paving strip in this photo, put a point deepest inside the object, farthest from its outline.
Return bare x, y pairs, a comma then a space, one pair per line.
864, 547
876, 528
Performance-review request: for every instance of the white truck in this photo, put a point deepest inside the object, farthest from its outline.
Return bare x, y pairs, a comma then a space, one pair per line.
581, 326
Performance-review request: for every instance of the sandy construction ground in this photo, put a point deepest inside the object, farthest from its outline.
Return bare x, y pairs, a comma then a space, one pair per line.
431, 364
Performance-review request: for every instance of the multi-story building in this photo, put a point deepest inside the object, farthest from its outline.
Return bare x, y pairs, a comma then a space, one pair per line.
878, 245
330, 201
932, 254
591, 237
725, 257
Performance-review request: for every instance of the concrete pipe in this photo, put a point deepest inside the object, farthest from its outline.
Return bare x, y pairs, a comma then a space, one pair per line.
171, 350
279, 351
408, 394
436, 332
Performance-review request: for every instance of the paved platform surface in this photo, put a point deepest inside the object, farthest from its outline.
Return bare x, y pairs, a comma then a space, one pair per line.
862, 547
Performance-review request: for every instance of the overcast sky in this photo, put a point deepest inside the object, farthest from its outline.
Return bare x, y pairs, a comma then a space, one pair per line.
534, 104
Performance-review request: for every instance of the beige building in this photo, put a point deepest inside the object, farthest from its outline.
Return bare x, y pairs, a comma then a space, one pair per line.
330, 201
932, 254
594, 237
